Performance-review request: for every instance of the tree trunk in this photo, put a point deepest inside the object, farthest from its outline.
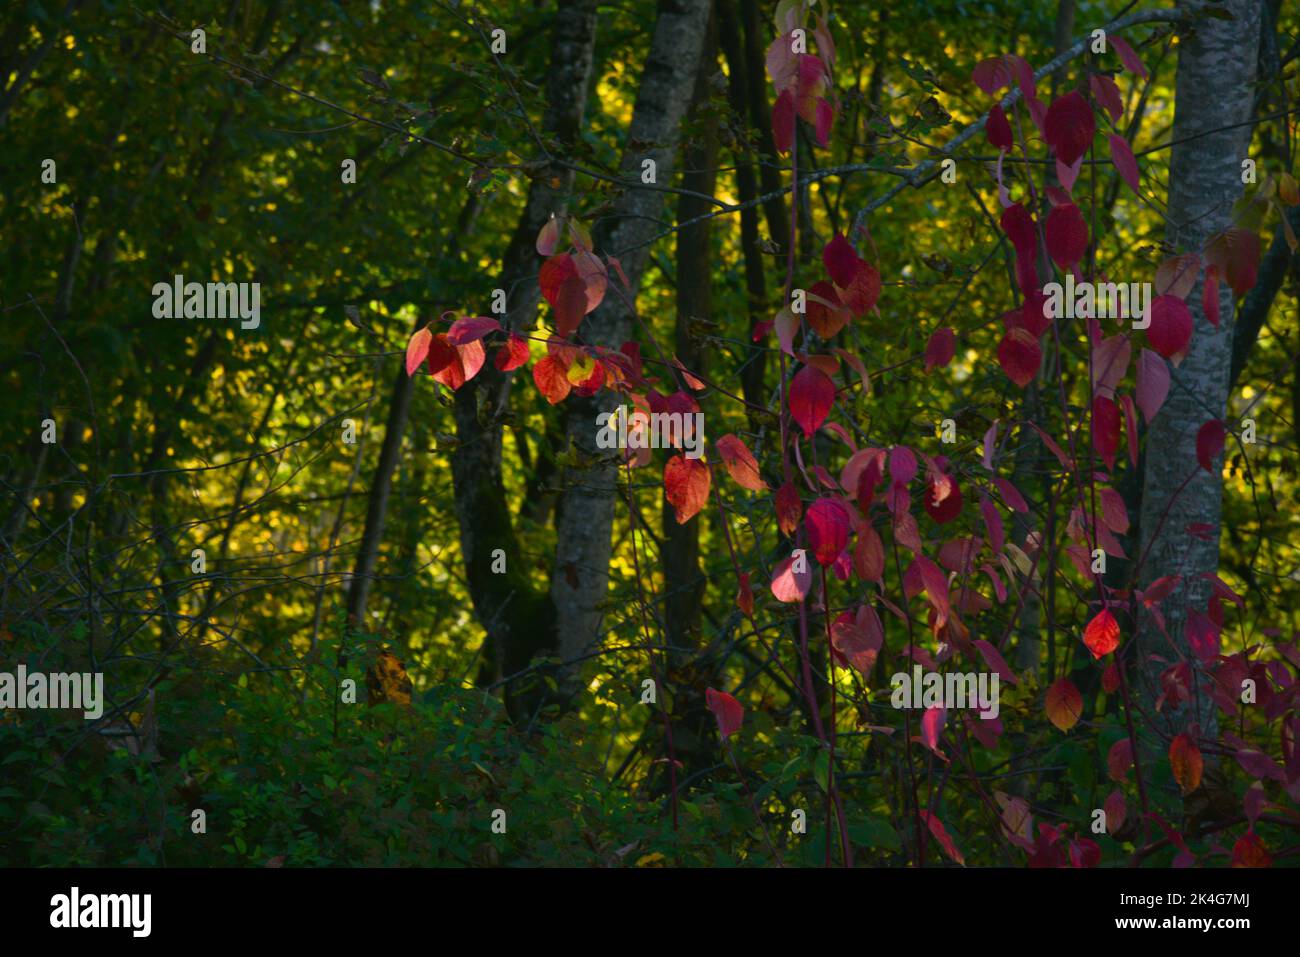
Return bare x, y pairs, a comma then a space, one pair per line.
752, 371
399, 409
683, 580
580, 576
1219, 55
518, 618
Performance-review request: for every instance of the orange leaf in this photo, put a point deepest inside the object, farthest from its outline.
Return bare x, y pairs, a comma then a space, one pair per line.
469, 359
1102, 634
551, 380
686, 483
417, 349
740, 463
1064, 704
1185, 757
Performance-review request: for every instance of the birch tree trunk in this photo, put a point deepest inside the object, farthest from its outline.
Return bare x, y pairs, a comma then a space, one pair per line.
580, 576
1216, 73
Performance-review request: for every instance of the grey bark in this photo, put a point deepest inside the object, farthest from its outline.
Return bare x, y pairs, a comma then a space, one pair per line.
580, 576
683, 582
1217, 55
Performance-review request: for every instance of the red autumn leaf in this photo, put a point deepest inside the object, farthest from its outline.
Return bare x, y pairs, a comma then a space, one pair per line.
1171, 326
1106, 92
465, 366
789, 508
1064, 704
1160, 589
1131, 61
1223, 591
941, 348
548, 236
1130, 428
468, 329
1116, 811
783, 122
593, 275
1069, 126
618, 268
1105, 428
417, 349
792, 578
998, 129
869, 556
745, 595
902, 465
992, 74
1011, 495
1084, 852
686, 483
811, 396
993, 523
862, 293
825, 119
441, 354
781, 61
1024, 74
1018, 224
1114, 513
513, 354
810, 86
1066, 235
1235, 252
1019, 355
827, 524
1152, 383
1210, 295
740, 463
553, 274
1067, 173
1176, 275
1249, 851
932, 726
924, 575
570, 305
1110, 359
1260, 765
1110, 678
1185, 759
551, 379
1209, 443
841, 260
993, 658
1102, 634
727, 710
1119, 759
825, 313
942, 499
1121, 154
858, 640
1202, 636
941, 835
786, 324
